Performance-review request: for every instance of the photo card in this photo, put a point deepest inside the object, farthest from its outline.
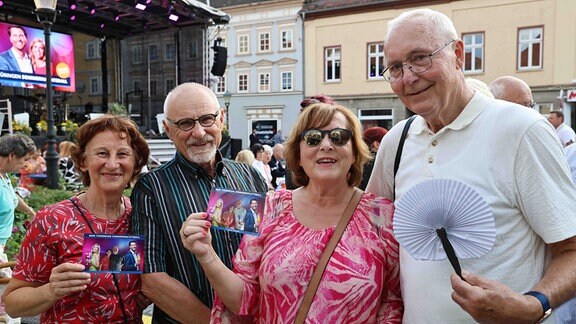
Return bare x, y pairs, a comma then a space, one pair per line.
113, 253
236, 211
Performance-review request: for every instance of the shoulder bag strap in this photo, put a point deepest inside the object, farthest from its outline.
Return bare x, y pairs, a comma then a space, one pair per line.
326, 255
401, 144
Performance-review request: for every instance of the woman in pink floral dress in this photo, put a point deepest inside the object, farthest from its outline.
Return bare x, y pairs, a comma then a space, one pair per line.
49, 277
272, 271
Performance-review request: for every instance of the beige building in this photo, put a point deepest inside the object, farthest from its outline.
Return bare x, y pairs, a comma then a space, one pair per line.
534, 40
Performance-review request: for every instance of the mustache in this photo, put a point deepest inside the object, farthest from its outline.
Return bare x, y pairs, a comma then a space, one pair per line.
207, 138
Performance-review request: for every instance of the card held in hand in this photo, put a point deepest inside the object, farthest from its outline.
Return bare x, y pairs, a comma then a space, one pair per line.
236, 211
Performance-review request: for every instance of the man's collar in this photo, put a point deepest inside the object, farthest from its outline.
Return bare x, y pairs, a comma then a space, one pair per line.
472, 110
197, 169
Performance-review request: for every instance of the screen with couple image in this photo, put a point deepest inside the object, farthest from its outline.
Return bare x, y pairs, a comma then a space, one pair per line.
23, 58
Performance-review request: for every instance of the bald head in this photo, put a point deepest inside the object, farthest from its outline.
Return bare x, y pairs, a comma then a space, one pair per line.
195, 93
512, 89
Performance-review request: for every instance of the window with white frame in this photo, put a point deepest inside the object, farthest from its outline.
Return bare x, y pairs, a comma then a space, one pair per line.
287, 39
221, 85
264, 82
95, 86
530, 48
473, 52
243, 44
264, 42
286, 81
381, 117
375, 60
192, 49
137, 54
153, 88
169, 52
153, 52
243, 82
93, 49
169, 85
332, 64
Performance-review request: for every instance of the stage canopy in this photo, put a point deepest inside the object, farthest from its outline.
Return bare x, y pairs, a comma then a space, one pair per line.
118, 18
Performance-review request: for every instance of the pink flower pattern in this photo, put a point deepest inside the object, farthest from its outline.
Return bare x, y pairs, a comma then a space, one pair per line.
56, 236
360, 284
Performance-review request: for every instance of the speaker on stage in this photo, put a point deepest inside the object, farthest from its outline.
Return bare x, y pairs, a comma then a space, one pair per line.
220, 58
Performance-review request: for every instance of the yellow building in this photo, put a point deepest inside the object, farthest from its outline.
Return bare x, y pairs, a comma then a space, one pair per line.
531, 39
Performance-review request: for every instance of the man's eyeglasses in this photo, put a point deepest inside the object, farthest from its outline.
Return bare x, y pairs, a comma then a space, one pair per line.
338, 136
186, 124
530, 104
418, 63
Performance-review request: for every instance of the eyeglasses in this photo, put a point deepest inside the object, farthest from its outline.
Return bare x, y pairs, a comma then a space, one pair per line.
418, 63
186, 124
338, 136
530, 104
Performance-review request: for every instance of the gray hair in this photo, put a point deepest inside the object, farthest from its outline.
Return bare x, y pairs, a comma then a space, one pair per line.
188, 87
438, 25
19, 144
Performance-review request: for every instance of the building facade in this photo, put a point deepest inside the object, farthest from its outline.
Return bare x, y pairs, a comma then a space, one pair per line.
533, 40
264, 68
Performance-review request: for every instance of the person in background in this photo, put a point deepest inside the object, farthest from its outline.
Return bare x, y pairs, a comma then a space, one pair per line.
254, 138
479, 86
303, 104
245, 156
266, 158
277, 164
67, 168
512, 89
278, 138
517, 166
565, 133
36, 164
515, 90
15, 150
372, 136
258, 164
49, 277
360, 284
38, 56
164, 197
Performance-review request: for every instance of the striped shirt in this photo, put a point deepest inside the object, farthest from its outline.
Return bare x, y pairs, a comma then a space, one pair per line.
165, 197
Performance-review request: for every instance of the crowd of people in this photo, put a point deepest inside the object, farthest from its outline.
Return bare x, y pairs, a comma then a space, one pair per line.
485, 136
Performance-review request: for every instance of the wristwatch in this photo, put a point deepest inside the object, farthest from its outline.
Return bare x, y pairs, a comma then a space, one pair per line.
545, 304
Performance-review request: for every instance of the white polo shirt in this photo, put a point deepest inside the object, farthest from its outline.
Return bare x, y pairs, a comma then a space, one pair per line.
510, 156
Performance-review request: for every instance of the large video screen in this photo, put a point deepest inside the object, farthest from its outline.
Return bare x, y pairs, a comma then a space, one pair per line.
23, 58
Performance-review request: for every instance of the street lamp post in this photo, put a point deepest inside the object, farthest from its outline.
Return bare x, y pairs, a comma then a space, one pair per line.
227, 97
46, 14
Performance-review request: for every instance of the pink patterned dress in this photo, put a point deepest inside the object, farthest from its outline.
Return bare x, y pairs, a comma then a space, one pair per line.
56, 236
360, 284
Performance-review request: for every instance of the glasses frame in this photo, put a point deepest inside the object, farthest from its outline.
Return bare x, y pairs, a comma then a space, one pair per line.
194, 121
324, 133
411, 68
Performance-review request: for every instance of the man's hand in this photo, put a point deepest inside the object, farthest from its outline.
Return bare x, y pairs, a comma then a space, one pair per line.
489, 301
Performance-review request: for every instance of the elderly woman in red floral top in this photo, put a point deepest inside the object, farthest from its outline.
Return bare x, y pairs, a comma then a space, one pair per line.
49, 277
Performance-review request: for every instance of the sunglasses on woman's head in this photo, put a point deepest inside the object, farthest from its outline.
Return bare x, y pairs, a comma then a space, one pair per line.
338, 136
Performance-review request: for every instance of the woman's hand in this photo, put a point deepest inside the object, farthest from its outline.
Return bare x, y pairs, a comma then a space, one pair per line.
196, 237
68, 278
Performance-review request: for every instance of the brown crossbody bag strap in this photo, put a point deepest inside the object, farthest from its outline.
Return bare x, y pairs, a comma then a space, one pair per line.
326, 255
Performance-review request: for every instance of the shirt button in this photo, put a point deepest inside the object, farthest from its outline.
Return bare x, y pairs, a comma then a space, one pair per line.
434, 142
430, 159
